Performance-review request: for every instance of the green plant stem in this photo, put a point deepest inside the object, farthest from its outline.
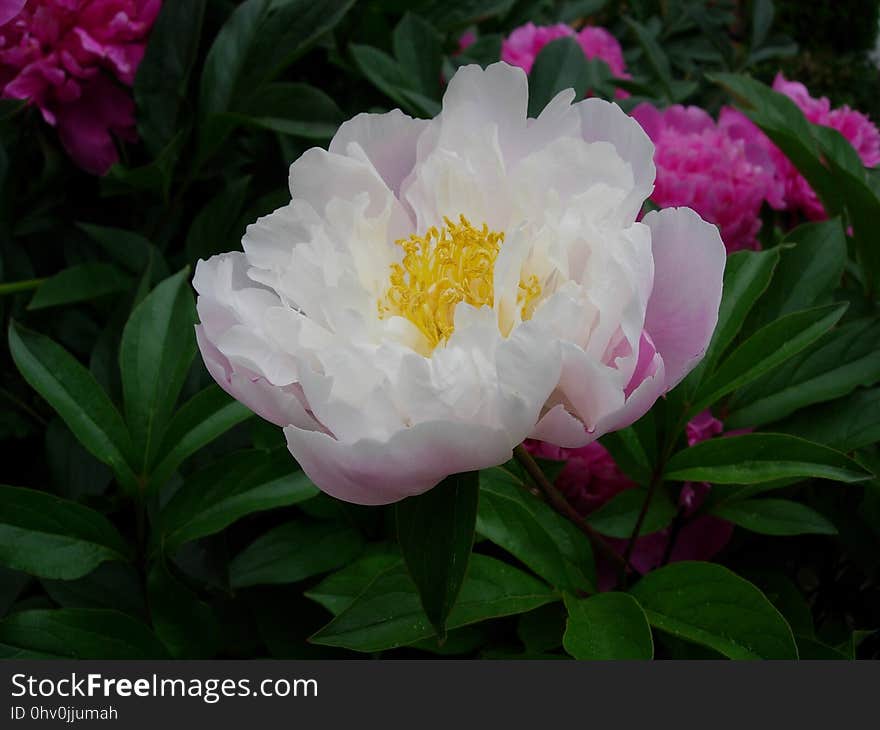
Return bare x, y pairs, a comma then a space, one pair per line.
561, 505
14, 287
637, 528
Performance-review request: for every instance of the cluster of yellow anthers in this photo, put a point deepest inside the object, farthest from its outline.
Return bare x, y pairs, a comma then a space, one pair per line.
446, 266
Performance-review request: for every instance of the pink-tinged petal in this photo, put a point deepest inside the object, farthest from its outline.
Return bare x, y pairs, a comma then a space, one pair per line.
559, 428
689, 260
647, 385
411, 462
281, 406
388, 140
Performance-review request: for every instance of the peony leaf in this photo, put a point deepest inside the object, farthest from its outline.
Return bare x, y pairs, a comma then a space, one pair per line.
79, 633
73, 392
235, 485
202, 419
766, 349
709, 605
157, 349
534, 532
293, 552
618, 516
185, 624
774, 517
50, 537
436, 532
846, 424
388, 613
761, 457
161, 87
560, 65
607, 626
78, 284
811, 263
833, 366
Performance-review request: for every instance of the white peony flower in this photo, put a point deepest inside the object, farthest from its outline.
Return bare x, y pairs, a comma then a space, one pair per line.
439, 290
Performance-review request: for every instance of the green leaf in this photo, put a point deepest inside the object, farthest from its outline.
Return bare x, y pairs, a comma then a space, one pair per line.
762, 20
607, 626
654, 54
542, 629
258, 41
185, 624
392, 80
417, 48
454, 14
629, 453
388, 613
214, 230
836, 364
235, 485
845, 424
709, 605
79, 284
80, 633
532, 531
618, 516
157, 349
113, 585
561, 64
812, 260
811, 649
129, 250
774, 517
202, 419
50, 537
293, 552
761, 457
781, 591
296, 109
766, 349
72, 391
436, 533
161, 87
746, 277
339, 590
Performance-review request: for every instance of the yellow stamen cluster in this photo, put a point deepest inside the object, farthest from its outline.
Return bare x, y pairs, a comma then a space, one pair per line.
446, 266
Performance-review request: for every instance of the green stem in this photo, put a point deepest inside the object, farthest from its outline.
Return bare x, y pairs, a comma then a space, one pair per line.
16, 286
561, 505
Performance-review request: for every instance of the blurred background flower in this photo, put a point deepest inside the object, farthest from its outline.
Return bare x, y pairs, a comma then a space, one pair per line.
703, 165
523, 45
73, 59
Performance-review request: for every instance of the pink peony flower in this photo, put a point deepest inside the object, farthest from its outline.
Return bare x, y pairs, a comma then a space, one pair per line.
591, 477
857, 128
720, 173
523, 45
71, 58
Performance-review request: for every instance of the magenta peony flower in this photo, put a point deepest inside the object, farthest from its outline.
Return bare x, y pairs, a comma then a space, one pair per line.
523, 45
717, 171
73, 58
591, 477
857, 128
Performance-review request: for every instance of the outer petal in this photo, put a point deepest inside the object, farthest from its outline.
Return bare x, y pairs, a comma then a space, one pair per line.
388, 140
410, 462
602, 121
689, 259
